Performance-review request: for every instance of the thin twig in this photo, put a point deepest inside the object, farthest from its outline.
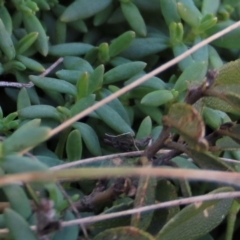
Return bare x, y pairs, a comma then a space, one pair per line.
143, 79
54, 65
119, 155
16, 84
97, 159
232, 178
183, 201
30, 84
74, 209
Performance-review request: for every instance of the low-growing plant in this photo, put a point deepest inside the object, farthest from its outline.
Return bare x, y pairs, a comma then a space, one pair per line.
81, 85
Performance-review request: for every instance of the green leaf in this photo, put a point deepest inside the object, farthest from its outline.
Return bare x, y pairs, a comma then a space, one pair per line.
26, 42
201, 54
54, 84
31, 135
101, 17
14, 65
178, 49
115, 104
32, 24
39, 111
69, 49
229, 40
210, 7
228, 74
113, 119
145, 195
100, 226
30, 63
121, 43
165, 191
123, 72
207, 22
82, 9
74, 146
17, 226
6, 18
82, 86
197, 219
103, 53
145, 128
15, 164
23, 78
126, 233
18, 200
214, 118
77, 63
189, 12
194, 72
134, 18
69, 233
71, 76
227, 144
6, 44
153, 112
23, 99
89, 137
206, 160
176, 33
82, 104
142, 47
96, 79
61, 32
215, 60
157, 98
169, 11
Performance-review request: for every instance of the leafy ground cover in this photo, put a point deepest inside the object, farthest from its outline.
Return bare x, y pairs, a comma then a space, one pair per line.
90, 149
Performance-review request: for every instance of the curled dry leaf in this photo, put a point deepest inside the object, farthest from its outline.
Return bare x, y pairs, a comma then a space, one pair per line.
188, 123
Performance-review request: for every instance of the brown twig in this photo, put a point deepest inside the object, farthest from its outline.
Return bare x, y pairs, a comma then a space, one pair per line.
151, 151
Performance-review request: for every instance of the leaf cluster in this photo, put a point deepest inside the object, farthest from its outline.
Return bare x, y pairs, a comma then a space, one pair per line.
192, 111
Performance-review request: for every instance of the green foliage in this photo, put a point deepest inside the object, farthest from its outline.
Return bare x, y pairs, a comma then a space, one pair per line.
101, 47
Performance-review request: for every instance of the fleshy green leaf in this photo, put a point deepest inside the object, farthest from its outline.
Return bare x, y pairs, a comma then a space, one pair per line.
169, 11
17, 226
54, 84
121, 43
32, 137
82, 104
145, 195
69, 49
123, 72
32, 24
229, 40
82, 9
134, 18
39, 111
145, 128
206, 160
89, 137
194, 72
18, 200
165, 191
197, 219
157, 98
23, 99
113, 119
127, 233
74, 146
